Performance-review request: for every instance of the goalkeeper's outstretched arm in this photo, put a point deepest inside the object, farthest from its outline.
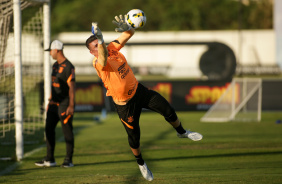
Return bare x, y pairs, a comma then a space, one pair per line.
125, 36
99, 46
122, 26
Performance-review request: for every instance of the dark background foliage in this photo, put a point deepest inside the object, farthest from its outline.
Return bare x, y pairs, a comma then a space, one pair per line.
163, 15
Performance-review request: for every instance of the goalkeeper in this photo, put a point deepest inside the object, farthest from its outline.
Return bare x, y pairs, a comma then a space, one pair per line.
129, 95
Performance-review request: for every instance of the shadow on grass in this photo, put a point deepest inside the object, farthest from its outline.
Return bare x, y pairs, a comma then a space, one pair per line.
31, 142
137, 175
188, 157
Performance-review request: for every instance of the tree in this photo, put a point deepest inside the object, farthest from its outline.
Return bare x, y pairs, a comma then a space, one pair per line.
162, 15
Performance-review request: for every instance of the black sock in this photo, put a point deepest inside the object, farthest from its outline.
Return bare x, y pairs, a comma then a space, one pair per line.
139, 159
180, 129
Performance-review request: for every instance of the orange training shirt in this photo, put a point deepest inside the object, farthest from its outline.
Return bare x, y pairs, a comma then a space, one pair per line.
117, 76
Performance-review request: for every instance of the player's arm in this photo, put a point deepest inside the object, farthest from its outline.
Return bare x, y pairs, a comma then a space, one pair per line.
50, 98
122, 26
102, 54
125, 36
102, 49
70, 109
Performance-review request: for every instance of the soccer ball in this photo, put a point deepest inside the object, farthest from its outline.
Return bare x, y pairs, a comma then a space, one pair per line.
136, 18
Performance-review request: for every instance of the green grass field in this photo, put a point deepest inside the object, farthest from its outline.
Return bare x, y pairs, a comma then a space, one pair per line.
229, 153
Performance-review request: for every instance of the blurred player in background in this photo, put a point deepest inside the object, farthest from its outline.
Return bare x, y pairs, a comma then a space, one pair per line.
60, 107
128, 94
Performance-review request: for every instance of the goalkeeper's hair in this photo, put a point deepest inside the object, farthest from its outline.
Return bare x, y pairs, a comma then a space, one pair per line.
89, 40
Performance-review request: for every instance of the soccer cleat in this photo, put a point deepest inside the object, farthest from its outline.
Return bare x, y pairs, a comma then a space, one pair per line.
195, 136
67, 163
45, 162
146, 173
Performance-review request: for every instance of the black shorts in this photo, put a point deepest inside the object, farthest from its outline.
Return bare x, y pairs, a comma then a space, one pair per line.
129, 114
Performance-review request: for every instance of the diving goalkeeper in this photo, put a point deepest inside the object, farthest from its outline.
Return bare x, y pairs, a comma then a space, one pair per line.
129, 95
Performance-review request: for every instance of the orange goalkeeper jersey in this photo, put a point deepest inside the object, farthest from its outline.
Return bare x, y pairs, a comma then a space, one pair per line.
117, 76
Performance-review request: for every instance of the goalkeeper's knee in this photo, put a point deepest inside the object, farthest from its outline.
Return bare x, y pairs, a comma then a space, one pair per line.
172, 117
